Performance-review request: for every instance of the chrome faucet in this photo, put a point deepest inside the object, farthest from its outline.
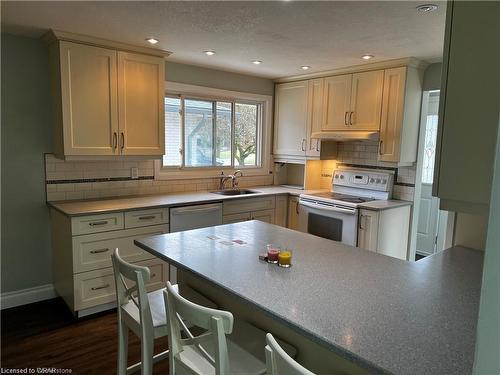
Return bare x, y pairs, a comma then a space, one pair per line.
233, 177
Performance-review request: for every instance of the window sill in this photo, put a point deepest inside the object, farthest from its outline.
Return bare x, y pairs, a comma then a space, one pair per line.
186, 174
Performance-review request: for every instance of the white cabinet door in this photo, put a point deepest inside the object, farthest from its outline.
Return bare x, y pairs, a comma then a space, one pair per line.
366, 100
88, 95
293, 213
141, 104
392, 114
267, 216
236, 218
368, 230
291, 119
281, 210
336, 102
314, 116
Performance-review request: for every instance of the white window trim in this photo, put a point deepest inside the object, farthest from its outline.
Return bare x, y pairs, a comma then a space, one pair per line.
174, 88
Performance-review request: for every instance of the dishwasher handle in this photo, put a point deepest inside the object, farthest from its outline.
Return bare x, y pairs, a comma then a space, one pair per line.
195, 209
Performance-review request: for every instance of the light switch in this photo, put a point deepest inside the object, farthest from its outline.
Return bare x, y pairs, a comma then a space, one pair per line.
134, 172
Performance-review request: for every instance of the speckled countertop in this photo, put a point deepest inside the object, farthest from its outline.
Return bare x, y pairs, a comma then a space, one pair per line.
385, 314
97, 206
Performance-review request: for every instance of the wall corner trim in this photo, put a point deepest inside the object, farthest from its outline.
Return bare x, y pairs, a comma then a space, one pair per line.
26, 296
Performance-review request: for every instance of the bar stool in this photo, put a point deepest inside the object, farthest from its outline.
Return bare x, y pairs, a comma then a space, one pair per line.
217, 350
279, 362
141, 312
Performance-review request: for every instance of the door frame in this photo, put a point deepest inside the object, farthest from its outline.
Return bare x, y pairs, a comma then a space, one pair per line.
447, 236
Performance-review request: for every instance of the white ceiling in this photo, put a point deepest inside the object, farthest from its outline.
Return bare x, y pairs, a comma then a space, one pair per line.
283, 34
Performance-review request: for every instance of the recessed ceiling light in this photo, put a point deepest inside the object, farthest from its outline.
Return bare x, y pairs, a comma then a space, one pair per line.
367, 57
305, 67
152, 40
426, 8
209, 52
256, 62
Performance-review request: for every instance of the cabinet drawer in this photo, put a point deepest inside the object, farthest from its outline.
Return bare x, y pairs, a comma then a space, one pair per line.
96, 223
249, 204
142, 218
236, 218
93, 251
98, 287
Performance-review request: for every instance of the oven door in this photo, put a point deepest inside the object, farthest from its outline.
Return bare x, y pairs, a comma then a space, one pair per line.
329, 221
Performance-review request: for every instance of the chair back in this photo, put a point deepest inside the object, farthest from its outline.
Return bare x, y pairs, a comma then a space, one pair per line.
130, 282
280, 363
217, 323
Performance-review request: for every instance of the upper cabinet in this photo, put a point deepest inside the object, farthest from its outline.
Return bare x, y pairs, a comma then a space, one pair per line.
106, 101
383, 103
468, 107
353, 101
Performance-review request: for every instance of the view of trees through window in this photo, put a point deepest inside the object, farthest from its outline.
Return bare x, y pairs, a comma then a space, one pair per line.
205, 133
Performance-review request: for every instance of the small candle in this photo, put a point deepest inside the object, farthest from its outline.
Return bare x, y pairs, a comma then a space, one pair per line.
272, 253
285, 258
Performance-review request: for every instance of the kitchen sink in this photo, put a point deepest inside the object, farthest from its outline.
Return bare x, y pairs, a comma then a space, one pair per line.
235, 192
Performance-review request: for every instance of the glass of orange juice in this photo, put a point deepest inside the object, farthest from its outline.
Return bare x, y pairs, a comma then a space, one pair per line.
285, 258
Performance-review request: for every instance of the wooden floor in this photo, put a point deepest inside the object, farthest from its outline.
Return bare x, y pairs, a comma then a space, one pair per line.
45, 334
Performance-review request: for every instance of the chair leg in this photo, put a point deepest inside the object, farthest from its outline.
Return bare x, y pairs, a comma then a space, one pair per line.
147, 349
122, 348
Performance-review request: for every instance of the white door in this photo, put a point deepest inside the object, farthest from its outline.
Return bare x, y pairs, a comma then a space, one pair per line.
427, 221
336, 102
366, 100
291, 119
141, 92
89, 99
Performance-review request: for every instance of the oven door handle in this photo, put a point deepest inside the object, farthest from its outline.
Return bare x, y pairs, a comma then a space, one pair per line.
328, 208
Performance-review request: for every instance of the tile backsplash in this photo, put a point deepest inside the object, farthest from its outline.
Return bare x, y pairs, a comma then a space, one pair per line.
365, 154
71, 180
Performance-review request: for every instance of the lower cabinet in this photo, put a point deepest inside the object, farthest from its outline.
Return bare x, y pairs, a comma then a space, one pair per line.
385, 232
293, 213
82, 248
238, 210
280, 217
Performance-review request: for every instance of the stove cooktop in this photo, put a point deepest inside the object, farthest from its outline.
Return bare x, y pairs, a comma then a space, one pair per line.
341, 197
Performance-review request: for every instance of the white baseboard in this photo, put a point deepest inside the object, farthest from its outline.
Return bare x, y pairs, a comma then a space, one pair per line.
25, 296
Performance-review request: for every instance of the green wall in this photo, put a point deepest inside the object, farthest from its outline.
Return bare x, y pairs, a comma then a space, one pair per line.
432, 77
26, 135
26, 254
219, 79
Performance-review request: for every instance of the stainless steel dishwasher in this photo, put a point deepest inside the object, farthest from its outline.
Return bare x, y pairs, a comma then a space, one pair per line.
193, 217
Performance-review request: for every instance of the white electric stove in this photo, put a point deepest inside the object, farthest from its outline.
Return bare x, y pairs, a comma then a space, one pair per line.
334, 215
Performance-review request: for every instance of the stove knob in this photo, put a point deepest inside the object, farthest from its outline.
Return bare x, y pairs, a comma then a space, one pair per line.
341, 176
378, 180
372, 180
337, 176
384, 182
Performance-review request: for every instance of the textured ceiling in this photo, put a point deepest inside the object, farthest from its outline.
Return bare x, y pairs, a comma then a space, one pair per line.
283, 34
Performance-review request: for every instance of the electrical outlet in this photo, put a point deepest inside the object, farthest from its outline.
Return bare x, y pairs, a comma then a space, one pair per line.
134, 172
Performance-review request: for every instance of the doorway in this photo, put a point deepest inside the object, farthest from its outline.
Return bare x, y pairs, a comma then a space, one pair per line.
432, 228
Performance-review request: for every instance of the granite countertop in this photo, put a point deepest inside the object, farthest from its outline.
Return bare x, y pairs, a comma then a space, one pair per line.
137, 202
384, 314
97, 206
384, 205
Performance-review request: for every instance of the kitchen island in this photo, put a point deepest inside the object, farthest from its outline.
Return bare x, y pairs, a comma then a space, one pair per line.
382, 314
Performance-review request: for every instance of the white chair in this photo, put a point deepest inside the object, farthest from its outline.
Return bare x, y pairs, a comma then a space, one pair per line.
141, 312
279, 362
216, 351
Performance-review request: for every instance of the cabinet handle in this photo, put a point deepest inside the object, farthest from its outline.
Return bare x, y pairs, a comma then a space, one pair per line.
122, 140
152, 275
317, 144
97, 223
115, 140
350, 117
303, 146
380, 147
98, 251
150, 217
99, 287
345, 118
361, 221
297, 207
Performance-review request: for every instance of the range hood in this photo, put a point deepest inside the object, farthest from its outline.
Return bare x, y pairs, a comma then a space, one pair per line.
345, 136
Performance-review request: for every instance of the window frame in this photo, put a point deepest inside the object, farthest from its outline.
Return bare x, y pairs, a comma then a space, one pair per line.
186, 91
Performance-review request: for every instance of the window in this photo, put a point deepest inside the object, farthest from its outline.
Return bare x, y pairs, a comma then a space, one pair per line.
202, 133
